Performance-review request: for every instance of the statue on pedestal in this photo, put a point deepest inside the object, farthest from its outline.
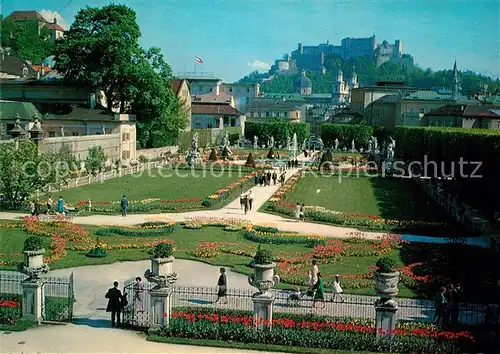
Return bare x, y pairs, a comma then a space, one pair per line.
288, 143
271, 142
193, 153
353, 146
255, 142
336, 148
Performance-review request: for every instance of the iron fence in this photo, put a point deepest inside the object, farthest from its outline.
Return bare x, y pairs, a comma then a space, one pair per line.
57, 293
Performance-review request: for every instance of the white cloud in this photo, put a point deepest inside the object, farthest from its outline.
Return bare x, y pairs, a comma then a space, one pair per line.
50, 15
259, 65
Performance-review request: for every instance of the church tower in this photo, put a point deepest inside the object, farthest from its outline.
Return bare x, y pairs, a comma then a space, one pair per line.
339, 88
455, 86
354, 78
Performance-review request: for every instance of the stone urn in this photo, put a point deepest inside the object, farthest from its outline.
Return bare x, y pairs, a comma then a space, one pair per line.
386, 286
161, 272
263, 277
33, 264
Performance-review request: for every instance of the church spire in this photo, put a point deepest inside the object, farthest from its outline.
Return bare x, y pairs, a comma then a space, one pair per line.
455, 88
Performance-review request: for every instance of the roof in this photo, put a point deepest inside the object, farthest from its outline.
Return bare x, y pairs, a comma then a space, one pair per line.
428, 96
54, 26
211, 98
467, 110
303, 81
40, 68
9, 109
287, 96
26, 16
271, 104
389, 98
14, 65
222, 109
80, 113
176, 85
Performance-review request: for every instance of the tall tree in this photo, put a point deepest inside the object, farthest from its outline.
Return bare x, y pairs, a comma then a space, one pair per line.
101, 50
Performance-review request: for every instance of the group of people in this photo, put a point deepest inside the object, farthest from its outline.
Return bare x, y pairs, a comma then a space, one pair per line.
265, 178
117, 301
246, 201
60, 206
316, 287
292, 164
447, 304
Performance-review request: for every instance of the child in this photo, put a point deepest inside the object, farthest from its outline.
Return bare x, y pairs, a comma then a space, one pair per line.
337, 289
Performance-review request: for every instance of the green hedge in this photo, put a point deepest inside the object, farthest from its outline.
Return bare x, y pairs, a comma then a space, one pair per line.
135, 232
277, 129
282, 240
345, 133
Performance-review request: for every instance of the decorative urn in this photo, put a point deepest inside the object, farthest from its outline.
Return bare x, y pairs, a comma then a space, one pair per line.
162, 263
33, 264
386, 281
264, 278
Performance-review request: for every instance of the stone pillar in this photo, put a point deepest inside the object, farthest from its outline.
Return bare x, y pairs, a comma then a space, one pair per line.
385, 320
160, 308
262, 311
33, 300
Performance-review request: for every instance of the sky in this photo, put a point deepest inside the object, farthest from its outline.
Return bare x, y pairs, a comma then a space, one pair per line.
235, 37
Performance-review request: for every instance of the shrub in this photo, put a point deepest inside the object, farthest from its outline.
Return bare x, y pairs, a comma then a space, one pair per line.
283, 239
163, 250
33, 243
265, 229
135, 232
97, 252
270, 154
386, 264
263, 257
345, 133
207, 250
213, 155
56, 308
250, 161
142, 159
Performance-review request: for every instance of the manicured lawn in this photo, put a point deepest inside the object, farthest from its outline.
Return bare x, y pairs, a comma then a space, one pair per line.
388, 198
352, 259
165, 184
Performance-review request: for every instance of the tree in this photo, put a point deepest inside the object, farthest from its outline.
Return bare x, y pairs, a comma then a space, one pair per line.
23, 171
225, 152
213, 155
250, 161
27, 40
101, 50
96, 159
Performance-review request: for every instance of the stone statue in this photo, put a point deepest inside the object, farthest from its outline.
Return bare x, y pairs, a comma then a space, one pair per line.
353, 146
193, 153
255, 142
336, 145
288, 142
393, 142
271, 142
321, 144
224, 144
304, 144
390, 150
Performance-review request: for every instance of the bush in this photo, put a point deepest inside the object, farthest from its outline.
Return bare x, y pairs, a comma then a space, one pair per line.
97, 252
56, 308
270, 154
263, 257
213, 155
142, 159
265, 229
250, 161
135, 232
386, 265
345, 133
207, 250
163, 250
33, 243
283, 240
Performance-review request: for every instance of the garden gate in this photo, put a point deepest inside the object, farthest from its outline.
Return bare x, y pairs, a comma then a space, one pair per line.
136, 313
59, 296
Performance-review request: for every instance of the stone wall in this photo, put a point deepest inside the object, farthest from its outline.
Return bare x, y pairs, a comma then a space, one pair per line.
80, 145
156, 152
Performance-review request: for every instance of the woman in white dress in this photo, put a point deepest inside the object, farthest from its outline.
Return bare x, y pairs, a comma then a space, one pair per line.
337, 289
298, 207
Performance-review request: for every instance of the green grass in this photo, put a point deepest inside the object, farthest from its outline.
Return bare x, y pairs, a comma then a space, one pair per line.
248, 346
389, 198
155, 183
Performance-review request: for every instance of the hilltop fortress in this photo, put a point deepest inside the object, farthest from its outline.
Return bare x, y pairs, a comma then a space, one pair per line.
312, 58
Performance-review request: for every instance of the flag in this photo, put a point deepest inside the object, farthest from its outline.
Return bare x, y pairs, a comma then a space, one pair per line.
198, 60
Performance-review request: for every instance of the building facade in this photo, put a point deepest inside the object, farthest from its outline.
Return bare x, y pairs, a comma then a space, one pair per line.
485, 116
341, 89
180, 88
261, 109
210, 115
21, 17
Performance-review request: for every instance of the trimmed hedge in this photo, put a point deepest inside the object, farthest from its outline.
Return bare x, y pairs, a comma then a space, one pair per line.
345, 133
135, 232
282, 240
277, 129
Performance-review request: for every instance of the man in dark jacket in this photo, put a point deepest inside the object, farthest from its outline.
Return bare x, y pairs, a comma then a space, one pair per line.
114, 296
124, 205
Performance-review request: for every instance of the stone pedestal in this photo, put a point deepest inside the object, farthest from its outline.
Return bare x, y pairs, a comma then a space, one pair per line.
33, 300
385, 319
262, 311
160, 308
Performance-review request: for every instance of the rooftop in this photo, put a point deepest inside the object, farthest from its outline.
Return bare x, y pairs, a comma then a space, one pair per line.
468, 110
221, 98
176, 85
259, 103
80, 113
214, 109
9, 109
26, 16
281, 96
54, 26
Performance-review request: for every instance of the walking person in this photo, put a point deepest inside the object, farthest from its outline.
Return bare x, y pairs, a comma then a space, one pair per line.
302, 212
242, 200
222, 284
138, 295
250, 199
275, 177
247, 204
49, 205
124, 205
455, 304
61, 208
89, 205
37, 207
314, 271
319, 295
114, 296
439, 305
337, 289
297, 212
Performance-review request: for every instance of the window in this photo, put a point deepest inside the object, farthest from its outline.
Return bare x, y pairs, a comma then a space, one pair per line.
125, 155
255, 114
108, 131
125, 137
197, 125
74, 134
209, 125
211, 89
52, 134
25, 71
432, 109
230, 89
285, 114
248, 90
10, 127
422, 110
226, 120
267, 114
233, 122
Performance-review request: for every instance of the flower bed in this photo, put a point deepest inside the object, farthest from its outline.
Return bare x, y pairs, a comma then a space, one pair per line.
142, 206
207, 250
312, 332
147, 229
229, 224
10, 309
229, 191
272, 236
